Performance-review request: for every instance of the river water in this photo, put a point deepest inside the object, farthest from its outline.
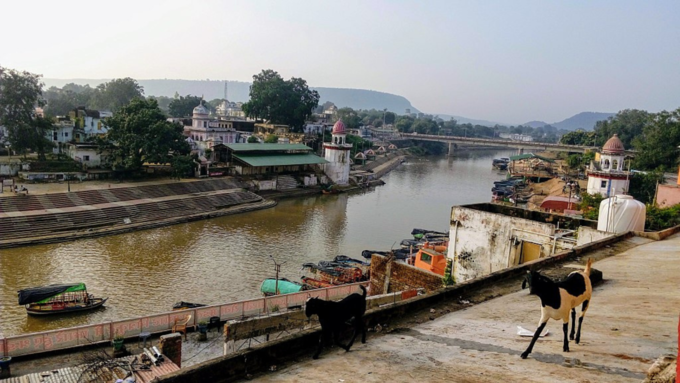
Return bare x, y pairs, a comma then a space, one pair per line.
225, 259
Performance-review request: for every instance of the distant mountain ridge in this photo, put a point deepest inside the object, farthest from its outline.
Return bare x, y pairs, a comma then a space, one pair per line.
341, 97
465, 120
240, 91
583, 120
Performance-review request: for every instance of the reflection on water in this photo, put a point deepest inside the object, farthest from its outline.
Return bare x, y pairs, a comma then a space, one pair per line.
225, 259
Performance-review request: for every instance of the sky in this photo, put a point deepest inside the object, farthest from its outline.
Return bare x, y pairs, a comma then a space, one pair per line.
506, 61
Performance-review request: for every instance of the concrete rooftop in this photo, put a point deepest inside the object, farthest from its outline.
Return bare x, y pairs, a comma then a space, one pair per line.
632, 320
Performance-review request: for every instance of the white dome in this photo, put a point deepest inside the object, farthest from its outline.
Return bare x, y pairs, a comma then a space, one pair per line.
200, 109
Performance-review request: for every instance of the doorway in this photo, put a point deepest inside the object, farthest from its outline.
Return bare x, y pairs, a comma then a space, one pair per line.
530, 251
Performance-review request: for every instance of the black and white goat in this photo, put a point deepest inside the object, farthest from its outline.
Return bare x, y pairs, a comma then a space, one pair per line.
558, 298
333, 315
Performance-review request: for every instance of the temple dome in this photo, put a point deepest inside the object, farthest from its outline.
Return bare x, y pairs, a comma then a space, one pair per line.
200, 109
613, 146
339, 128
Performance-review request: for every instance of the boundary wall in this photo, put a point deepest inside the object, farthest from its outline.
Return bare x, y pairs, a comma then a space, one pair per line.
75, 337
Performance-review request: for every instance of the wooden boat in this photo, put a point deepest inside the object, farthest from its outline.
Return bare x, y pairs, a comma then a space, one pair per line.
185, 306
315, 283
58, 299
270, 285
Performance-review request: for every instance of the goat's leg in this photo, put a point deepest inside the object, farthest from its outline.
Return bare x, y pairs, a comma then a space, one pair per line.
573, 323
357, 327
565, 328
336, 340
320, 346
533, 340
584, 308
363, 330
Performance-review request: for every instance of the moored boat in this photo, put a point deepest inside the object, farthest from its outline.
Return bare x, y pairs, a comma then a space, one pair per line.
186, 305
272, 286
58, 299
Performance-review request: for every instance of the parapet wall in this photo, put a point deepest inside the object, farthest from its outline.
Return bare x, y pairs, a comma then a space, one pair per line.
402, 277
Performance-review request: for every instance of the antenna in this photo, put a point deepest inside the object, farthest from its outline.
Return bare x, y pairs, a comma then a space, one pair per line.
225, 89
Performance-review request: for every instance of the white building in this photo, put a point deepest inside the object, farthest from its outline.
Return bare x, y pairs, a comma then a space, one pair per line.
230, 109
86, 154
205, 132
337, 153
607, 176
93, 123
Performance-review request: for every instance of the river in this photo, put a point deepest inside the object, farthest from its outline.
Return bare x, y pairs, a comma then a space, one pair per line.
225, 259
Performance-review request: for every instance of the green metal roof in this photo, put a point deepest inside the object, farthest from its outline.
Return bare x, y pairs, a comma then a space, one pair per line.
529, 155
266, 147
280, 160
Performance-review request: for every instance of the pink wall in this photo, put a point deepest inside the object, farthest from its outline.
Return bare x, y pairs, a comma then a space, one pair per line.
668, 195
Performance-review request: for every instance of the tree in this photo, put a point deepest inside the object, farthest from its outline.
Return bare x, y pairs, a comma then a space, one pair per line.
280, 102
579, 137
404, 124
116, 94
271, 139
628, 124
139, 133
657, 146
20, 94
163, 103
390, 118
253, 140
183, 106
643, 185
349, 117
61, 101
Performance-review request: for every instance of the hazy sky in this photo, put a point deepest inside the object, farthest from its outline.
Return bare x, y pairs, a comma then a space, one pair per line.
507, 61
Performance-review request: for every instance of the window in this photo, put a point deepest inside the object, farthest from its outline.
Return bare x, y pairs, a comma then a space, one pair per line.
86, 158
615, 165
606, 164
54, 136
205, 124
427, 258
603, 184
65, 134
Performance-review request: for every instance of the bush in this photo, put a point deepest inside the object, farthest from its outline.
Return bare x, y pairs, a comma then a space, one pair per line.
590, 205
662, 218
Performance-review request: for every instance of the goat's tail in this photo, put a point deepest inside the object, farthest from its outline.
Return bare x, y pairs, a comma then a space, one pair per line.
586, 271
363, 289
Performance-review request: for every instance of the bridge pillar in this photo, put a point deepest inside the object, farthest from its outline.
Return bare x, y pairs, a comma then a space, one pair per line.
451, 149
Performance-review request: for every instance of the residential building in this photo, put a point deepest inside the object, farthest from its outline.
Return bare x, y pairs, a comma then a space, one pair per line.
86, 153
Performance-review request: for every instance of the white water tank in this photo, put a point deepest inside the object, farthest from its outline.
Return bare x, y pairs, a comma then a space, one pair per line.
620, 214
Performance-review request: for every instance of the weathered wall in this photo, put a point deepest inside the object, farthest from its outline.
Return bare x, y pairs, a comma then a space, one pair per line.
402, 277
482, 242
587, 235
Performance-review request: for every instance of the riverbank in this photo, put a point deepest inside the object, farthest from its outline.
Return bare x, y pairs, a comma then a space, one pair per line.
49, 215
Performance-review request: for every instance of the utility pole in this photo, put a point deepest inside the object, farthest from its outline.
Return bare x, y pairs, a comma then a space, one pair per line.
277, 267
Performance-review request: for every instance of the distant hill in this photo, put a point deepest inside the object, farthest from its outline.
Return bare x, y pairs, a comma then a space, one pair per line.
584, 120
465, 120
535, 124
240, 91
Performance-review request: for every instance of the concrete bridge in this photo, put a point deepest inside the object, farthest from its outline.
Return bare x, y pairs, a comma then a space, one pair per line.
453, 141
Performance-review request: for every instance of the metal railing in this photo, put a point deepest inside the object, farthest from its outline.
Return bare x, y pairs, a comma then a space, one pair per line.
73, 337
